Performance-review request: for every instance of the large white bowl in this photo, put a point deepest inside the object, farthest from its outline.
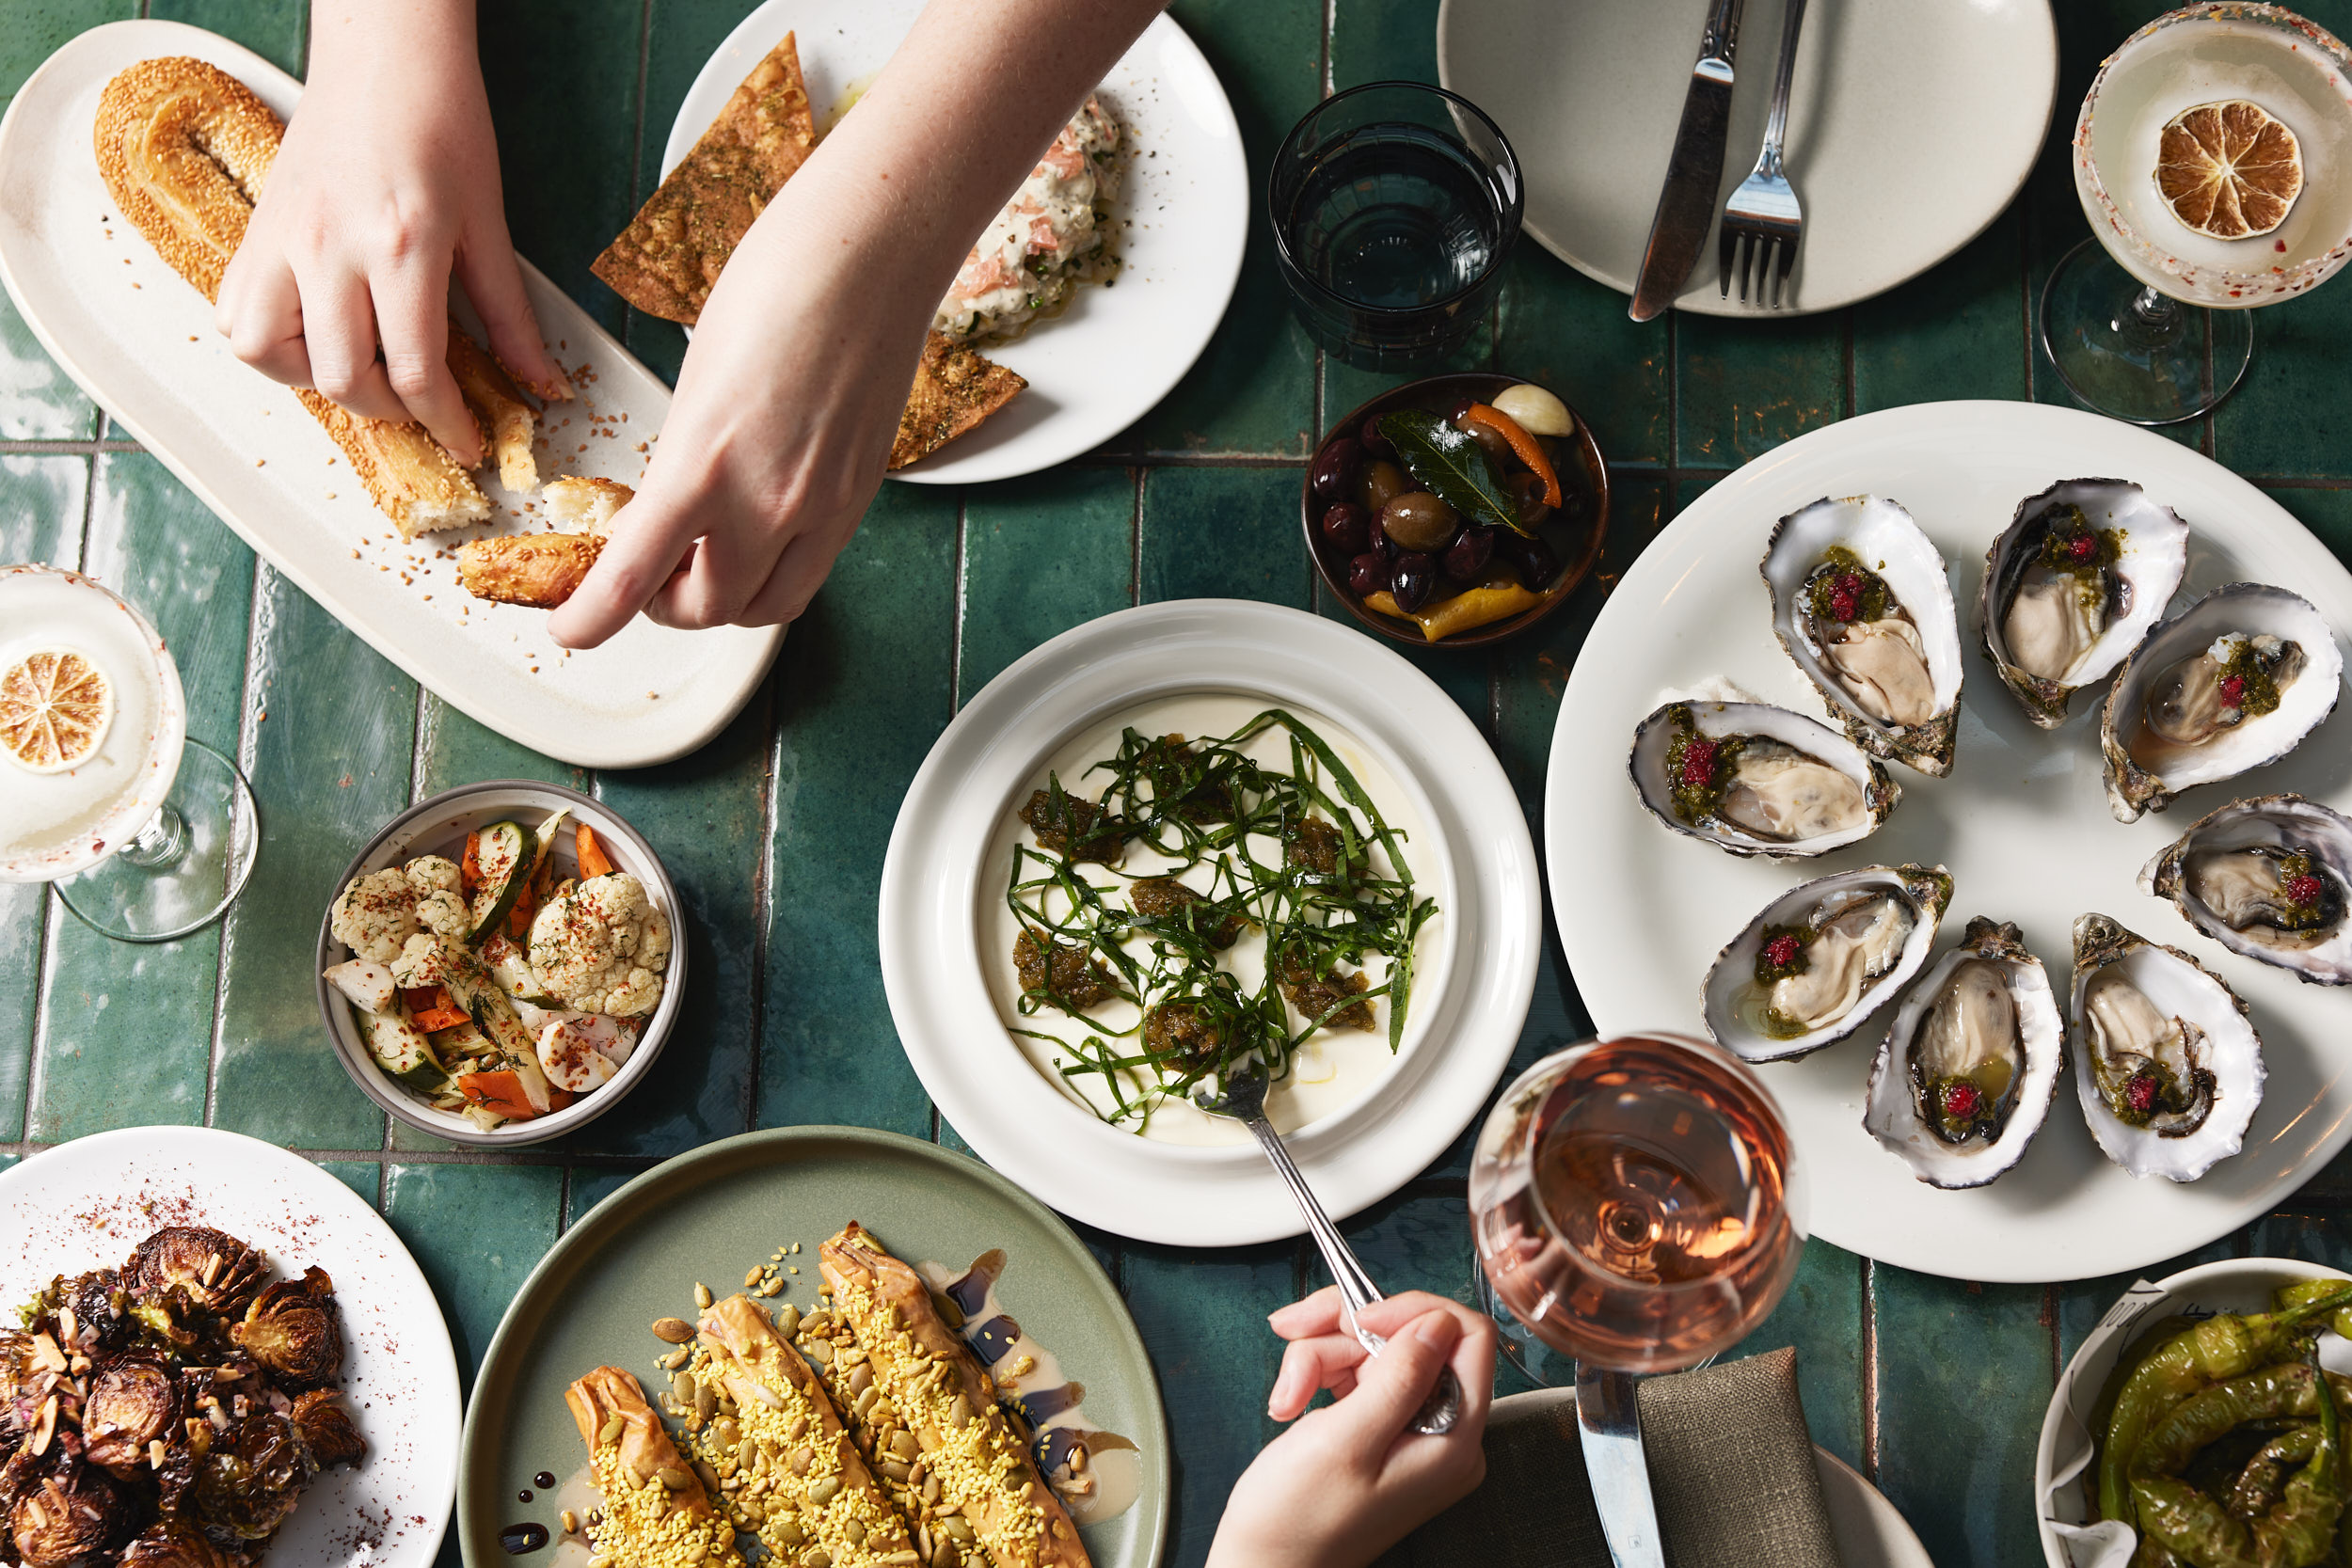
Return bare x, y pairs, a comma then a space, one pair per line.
438, 826
2063, 1485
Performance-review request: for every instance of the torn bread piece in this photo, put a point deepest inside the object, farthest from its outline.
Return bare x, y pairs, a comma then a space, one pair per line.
581, 506
667, 258
538, 571
955, 388
941, 1397
655, 1513
508, 422
761, 1422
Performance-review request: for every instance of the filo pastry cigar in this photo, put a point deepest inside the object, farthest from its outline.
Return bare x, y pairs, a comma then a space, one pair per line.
655, 1513
925, 1381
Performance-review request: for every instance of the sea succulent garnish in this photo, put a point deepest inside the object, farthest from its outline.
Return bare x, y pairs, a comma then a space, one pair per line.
290, 1329
194, 1268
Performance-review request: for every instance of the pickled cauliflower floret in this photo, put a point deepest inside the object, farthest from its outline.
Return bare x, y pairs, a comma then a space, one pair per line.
440, 897
422, 963
601, 947
376, 913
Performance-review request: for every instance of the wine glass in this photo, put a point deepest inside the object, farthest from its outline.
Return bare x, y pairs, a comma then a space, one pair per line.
149, 837
2150, 325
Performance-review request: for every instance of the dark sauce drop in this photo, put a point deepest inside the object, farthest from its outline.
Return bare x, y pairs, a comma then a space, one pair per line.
519, 1539
993, 1339
544, 1480
523, 1497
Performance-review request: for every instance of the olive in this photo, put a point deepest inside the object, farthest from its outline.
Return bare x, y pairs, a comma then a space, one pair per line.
1413, 580
1527, 494
1458, 410
1379, 482
1346, 528
1466, 558
1376, 538
1531, 561
1335, 468
1367, 574
1420, 521
1491, 439
1377, 443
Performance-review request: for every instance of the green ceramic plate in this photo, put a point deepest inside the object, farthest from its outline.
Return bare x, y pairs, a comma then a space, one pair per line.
710, 1215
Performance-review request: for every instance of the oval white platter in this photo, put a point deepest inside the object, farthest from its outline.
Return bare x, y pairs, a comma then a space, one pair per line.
940, 876
85, 1204
142, 343
2021, 823
1183, 211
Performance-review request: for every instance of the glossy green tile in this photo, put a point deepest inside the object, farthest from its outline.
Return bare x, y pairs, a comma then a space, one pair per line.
37, 27
1557, 326
2327, 513
329, 725
1202, 1315
2288, 419
476, 1232
1961, 331
453, 750
567, 174
43, 501
273, 29
1347, 388
1253, 390
1464, 674
1040, 555
1744, 386
863, 688
1822, 1316
1224, 533
152, 541
588, 1185
1384, 40
1964, 1376
2307, 1235
39, 402
364, 1176
704, 815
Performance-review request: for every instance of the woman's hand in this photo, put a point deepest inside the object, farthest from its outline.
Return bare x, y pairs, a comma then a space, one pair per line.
1350, 1480
387, 181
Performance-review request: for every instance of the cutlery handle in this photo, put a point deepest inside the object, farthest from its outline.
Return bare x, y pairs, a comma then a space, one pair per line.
1722, 32
1609, 1417
1784, 70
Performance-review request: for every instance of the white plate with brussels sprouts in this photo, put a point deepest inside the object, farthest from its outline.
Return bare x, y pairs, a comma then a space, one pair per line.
501, 963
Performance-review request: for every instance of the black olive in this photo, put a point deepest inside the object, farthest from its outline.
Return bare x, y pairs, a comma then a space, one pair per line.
1418, 520
1531, 561
1375, 441
1466, 559
1414, 579
1346, 529
1380, 483
1335, 468
1527, 494
1367, 574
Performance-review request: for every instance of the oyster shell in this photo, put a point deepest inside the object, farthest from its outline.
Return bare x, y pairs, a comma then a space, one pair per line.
2167, 1063
2269, 878
1774, 783
2235, 681
1966, 1073
1822, 958
2073, 584
1861, 602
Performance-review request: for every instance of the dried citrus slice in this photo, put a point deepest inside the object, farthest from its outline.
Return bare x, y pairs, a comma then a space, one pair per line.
54, 707
2229, 169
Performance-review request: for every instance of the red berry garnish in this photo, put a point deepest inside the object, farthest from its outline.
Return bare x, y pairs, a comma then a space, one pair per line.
1698, 763
2141, 1092
2234, 691
1962, 1101
1782, 950
1845, 596
2081, 547
2304, 889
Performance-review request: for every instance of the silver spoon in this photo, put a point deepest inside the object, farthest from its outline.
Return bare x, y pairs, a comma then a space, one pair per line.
1243, 1100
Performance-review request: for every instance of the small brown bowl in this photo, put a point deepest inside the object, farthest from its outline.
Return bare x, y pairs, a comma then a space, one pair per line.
1576, 540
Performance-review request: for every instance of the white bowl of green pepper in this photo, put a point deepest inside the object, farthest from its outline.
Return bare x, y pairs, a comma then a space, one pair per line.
2205, 1377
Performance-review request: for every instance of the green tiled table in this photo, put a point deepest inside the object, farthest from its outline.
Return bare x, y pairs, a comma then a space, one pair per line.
775, 831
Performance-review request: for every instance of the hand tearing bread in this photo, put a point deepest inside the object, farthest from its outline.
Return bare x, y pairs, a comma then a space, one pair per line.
539, 571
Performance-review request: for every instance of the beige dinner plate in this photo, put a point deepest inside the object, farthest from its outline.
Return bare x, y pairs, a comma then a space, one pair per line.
1912, 123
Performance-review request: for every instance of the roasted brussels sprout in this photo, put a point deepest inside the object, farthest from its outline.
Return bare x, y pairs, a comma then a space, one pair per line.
188, 1268
247, 1480
290, 1329
71, 1516
102, 1313
133, 1400
172, 1546
326, 1426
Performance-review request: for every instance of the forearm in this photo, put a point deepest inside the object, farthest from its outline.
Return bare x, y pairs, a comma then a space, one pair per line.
356, 37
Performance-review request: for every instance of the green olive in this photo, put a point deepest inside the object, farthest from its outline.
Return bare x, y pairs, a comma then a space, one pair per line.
1489, 438
1419, 521
1379, 483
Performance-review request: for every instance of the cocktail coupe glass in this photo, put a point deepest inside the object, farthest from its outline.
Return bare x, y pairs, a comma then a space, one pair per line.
1636, 1208
153, 836
2149, 324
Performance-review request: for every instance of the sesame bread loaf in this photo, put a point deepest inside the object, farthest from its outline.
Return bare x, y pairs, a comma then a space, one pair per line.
654, 1512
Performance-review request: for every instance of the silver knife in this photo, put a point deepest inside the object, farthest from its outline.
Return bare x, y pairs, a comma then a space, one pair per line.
1686, 208
1608, 1419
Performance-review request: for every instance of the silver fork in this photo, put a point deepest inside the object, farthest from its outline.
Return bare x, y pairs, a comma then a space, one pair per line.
1763, 212
1243, 1100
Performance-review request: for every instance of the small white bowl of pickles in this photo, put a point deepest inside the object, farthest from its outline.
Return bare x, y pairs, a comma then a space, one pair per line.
2157, 1346
502, 964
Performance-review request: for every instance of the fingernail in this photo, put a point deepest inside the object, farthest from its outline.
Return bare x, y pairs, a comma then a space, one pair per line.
1437, 1330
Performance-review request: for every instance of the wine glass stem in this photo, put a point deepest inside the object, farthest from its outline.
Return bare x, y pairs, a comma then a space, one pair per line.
2157, 319
164, 839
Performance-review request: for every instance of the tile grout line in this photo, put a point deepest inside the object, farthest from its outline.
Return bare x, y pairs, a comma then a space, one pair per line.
1869, 1371
1134, 540
246, 743
54, 917
762, 875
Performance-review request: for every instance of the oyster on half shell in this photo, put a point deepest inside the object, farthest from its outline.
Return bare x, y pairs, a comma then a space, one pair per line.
2073, 584
1822, 958
1861, 601
2235, 681
1751, 779
2166, 1063
1970, 1064
2269, 878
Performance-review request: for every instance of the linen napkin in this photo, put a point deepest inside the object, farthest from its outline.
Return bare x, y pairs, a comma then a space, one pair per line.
1730, 1466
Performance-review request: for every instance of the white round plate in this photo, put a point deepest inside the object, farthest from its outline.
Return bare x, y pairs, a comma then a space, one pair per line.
1870, 1531
85, 1204
1182, 214
2021, 823
938, 874
1910, 126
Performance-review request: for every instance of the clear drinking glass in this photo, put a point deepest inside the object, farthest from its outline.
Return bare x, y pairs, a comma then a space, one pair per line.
154, 835
1635, 1206
1393, 206
2149, 324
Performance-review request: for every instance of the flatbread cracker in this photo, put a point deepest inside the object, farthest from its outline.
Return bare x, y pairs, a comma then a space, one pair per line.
667, 258
955, 388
